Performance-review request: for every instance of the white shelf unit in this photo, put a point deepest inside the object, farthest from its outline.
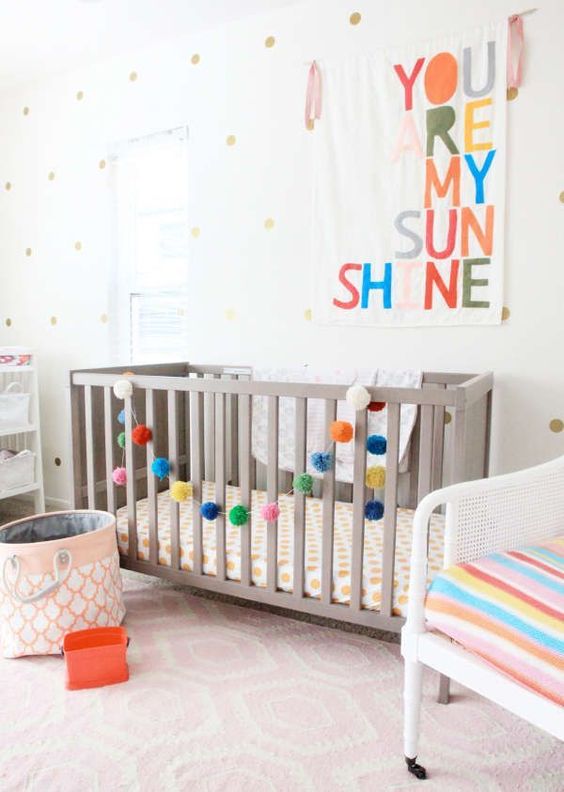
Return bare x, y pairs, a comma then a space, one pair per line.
18, 438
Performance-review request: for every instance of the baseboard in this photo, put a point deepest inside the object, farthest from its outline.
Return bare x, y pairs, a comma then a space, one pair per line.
57, 504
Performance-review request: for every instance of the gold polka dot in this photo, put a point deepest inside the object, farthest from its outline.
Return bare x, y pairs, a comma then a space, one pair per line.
25, 111
346, 589
51, 175
308, 314
355, 18
195, 232
269, 42
257, 571
53, 320
132, 76
79, 96
8, 322
104, 318
102, 164
78, 245
561, 197
315, 584
8, 186
28, 251
505, 313
285, 577
512, 93
195, 59
230, 140
57, 461
230, 314
269, 223
310, 124
448, 417
556, 425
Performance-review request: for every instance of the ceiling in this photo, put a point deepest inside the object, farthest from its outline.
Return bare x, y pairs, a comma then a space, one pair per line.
39, 37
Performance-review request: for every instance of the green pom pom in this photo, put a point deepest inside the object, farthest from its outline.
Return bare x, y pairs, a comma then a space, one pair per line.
239, 515
303, 483
121, 439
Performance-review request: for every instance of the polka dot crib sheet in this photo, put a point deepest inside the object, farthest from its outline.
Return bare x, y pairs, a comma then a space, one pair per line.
372, 574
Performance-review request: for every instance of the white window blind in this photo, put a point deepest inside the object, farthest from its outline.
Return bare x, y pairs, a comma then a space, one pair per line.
151, 299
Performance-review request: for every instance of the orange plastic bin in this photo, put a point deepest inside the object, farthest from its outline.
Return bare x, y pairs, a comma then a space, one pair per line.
96, 657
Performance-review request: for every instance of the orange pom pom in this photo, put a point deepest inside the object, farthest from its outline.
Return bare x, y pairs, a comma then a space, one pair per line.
141, 435
341, 431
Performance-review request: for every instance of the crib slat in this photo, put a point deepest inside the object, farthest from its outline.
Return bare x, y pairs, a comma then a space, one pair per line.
220, 496
359, 477
131, 486
299, 498
244, 413
186, 397
173, 476
414, 461
210, 433
328, 514
233, 436
152, 487
438, 445
425, 451
390, 509
197, 419
272, 492
109, 443
90, 473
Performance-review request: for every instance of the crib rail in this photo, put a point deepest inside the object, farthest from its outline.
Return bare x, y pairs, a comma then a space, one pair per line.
201, 418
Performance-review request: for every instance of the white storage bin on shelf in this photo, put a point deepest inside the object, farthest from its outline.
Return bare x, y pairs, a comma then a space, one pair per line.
21, 473
14, 407
17, 471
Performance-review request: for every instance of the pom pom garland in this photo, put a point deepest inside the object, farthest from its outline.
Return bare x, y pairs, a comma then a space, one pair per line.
321, 461
121, 439
123, 388
121, 417
303, 483
358, 397
209, 510
376, 477
374, 510
341, 431
160, 467
376, 406
180, 491
239, 515
141, 435
376, 444
270, 512
119, 476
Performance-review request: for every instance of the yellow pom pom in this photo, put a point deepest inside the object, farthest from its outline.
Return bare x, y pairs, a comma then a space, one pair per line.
376, 477
181, 491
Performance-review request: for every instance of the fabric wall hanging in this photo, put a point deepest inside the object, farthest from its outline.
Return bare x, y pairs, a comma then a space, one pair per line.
410, 183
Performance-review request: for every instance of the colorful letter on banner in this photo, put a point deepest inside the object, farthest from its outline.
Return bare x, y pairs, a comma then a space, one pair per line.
410, 184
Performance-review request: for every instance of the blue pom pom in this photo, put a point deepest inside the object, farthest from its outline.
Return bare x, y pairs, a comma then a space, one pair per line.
209, 510
374, 510
376, 444
121, 417
160, 467
321, 461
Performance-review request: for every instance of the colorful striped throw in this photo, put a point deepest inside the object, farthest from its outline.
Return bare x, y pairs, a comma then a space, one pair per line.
509, 609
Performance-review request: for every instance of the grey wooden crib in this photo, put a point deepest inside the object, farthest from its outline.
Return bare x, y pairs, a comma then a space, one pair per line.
201, 417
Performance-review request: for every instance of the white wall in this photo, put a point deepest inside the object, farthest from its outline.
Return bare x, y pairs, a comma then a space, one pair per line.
250, 286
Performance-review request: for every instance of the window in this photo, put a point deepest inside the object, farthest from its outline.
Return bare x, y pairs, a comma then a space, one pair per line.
151, 277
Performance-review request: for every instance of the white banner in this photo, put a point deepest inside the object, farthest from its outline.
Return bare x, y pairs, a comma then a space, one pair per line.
410, 184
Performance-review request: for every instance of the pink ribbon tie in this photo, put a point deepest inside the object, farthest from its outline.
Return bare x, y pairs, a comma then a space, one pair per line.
515, 46
313, 95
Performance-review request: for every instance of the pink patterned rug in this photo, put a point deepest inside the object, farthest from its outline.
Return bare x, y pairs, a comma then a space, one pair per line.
223, 698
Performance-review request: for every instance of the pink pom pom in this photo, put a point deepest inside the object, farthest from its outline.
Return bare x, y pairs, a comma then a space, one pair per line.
119, 476
270, 512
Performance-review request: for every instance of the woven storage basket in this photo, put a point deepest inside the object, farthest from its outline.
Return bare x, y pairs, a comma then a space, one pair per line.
59, 573
14, 407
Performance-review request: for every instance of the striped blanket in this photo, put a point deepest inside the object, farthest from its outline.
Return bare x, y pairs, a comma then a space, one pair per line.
509, 609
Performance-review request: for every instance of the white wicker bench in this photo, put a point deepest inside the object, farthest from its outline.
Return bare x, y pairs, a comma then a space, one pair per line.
482, 517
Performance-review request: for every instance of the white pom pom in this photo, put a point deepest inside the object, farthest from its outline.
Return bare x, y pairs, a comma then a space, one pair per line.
358, 397
123, 388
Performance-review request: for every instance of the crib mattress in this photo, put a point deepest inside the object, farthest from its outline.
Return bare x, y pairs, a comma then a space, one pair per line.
372, 575
508, 608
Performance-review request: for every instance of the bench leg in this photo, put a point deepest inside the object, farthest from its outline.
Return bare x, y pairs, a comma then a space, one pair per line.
413, 679
444, 689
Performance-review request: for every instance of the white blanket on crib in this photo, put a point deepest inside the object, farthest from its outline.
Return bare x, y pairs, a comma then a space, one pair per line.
317, 439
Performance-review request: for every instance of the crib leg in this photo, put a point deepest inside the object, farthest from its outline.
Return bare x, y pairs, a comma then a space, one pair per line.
444, 689
413, 680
